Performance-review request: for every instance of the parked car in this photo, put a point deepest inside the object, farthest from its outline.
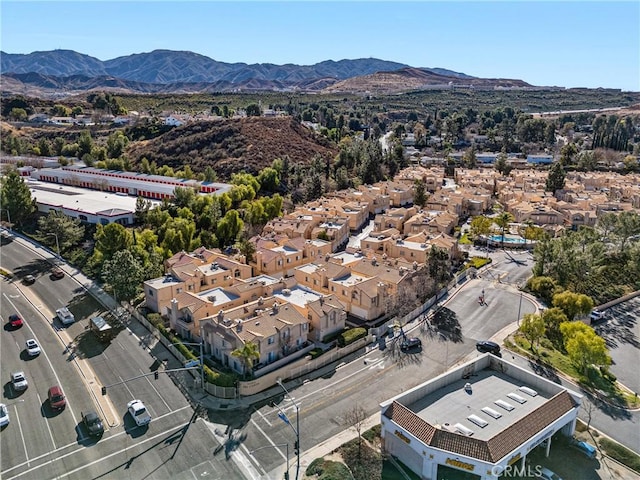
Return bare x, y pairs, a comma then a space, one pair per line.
485, 346
4, 415
29, 280
139, 412
410, 344
597, 316
33, 349
15, 320
192, 363
19, 381
583, 447
65, 316
57, 272
547, 474
57, 401
92, 423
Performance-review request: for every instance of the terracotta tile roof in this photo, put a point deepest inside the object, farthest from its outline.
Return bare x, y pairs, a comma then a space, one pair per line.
492, 450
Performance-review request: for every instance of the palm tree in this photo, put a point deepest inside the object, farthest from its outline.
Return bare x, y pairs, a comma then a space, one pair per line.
503, 220
247, 354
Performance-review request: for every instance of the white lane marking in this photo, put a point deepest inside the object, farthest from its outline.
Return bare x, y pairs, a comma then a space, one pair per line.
126, 386
250, 470
44, 353
45, 421
112, 437
268, 439
156, 390
66, 474
24, 445
264, 418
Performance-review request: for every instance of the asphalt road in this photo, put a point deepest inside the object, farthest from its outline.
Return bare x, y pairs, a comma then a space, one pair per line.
40, 444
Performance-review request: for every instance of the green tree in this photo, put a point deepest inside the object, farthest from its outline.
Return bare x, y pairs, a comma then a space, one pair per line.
419, 193
532, 327
248, 355
18, 114
543, 287
210, 174
553, 318
16, 200
124, 274
480, 227
269, 179
253, 110
142, 210
116, 143
228, 228
246, 248
573, 304
556, 178
584, 346
69, 231
85, 144
112, 238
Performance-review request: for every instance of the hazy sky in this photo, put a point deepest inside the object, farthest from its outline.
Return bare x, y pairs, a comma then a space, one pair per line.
569, 44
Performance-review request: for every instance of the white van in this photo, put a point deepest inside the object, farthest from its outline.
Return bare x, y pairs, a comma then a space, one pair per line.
65, 316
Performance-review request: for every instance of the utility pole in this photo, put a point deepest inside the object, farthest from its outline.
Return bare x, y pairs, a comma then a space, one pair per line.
296, 430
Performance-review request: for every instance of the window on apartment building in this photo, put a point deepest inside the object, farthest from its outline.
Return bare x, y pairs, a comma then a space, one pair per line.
344, 293
411, 254
203, 282
288, 260
178, 290
305, 327
315, 282
333, 316
279, 263
306, 279
270, 340
297, 258
264, 265
151, 293
354, 294
237, 273
190, 287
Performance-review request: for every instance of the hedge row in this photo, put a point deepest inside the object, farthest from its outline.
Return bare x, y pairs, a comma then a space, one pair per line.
211, 375
349, 336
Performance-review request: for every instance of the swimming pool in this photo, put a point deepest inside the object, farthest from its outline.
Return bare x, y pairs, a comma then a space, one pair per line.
507, 239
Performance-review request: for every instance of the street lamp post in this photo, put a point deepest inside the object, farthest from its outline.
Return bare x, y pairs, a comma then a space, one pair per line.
446, 358
57, 244
519, 308
286, 474
296, 430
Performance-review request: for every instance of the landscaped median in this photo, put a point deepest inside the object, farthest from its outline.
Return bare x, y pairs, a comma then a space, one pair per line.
599, 382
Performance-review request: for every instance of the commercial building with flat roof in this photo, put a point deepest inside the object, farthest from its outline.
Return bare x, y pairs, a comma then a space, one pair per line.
476, 420
89, 206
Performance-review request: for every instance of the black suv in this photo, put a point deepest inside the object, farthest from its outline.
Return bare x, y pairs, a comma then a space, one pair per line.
485, 346
410, 343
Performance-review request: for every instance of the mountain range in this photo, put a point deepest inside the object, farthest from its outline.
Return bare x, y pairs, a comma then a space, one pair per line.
169, 71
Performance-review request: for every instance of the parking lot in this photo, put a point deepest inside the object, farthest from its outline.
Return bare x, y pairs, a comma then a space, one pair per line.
620, 329
570, 464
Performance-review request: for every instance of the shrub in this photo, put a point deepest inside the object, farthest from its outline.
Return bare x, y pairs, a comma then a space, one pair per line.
316, 352
621, 454
373, 433
349, 336
328, 470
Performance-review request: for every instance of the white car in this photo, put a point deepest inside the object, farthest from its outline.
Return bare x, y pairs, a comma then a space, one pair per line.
33, 349
4, 415
19, 381
65, 316
139, 412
